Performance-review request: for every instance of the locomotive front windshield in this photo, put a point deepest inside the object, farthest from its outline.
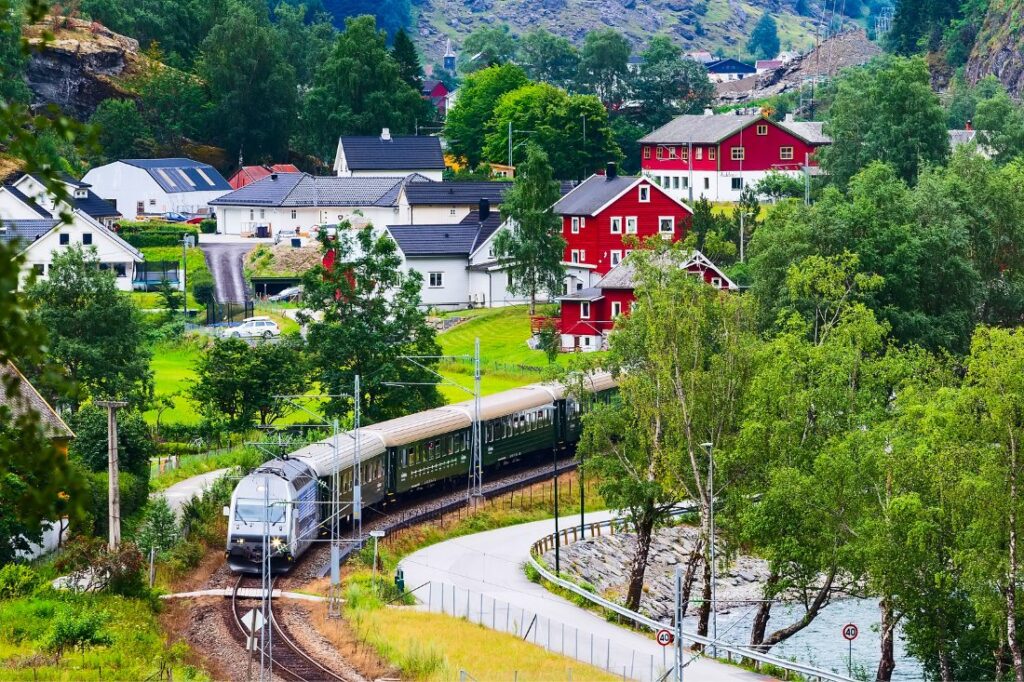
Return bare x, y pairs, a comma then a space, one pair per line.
257, 513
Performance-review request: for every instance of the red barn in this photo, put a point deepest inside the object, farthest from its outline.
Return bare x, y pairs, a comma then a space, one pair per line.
247, 174
588, 315
721, 154
604, 210
437, 93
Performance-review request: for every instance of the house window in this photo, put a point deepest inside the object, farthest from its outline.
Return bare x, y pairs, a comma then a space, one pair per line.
436, 280
660, 154
583, 255
295, 214
120, 269
644, 193
87, 238
737, 184
252, 214
700, 153
616, 224
616, 258
40, 269
707, 183
675, 183
616, 309
647, 152
263, 213
65, 239
140, 207
738, 153
631, 225
579, 286
685, 183
585, 310
666, 225
762, 129
786, 153
574, 256
716, 282
712, 153
671, 152
684, 153
575, 225
152, 202
586, 341
451, 211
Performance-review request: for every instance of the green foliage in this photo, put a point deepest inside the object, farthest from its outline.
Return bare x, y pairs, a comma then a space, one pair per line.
478, 95
174, 104
122, 131
548, 58
12, 58
92, 566
668, 85
764, 39
371, 316
76, 629
603, 63
159, 529
143, 240
208, 226
486, 47
17, 580
550, 340
532, 249
777, 186
134, 442
306, 40
170, 298
408, 59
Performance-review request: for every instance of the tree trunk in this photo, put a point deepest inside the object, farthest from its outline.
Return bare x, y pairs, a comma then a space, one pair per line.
1011, 582
764, 611
533, 302
637, 568
887, 660
704, 615
696, 556
945, 669
820, 599
1000, 657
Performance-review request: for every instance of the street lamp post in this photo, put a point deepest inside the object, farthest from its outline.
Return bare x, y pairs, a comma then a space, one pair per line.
558, 542
376, 535
510, 147
743, 214
709, 447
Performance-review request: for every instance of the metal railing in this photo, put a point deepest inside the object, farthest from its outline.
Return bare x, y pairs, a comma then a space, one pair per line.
741, 652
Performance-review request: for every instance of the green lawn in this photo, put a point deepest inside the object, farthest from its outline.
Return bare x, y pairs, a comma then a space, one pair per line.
172, 370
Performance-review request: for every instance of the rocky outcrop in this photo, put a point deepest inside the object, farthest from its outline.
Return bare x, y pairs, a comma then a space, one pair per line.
999, 46
82, 65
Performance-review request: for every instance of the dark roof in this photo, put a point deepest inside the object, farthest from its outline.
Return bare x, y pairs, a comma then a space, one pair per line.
418, 241
592, 194
94, 206
401, 152
588, 294
25, 397
69, 179
28, 201
181, 175
730, 66
429, 85
443, 193
302, 189
699, 129
25, 231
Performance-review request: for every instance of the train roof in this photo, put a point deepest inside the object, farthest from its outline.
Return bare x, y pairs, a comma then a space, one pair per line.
321, 458
509, 402
415, 427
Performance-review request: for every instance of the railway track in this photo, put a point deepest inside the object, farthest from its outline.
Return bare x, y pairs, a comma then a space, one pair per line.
287, 659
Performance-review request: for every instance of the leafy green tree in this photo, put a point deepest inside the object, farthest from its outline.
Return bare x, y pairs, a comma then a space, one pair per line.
550, 340
171, 298
408, 59
667, 86
777, 186
532, 249
1000, 124
487, 46
390, 15
371, 316
479, 94
12, 58
90, 323
764, 39
357, 91
76, 629
159, 530
918, 25
885, 112
555, 121
122, 132
548, 58
603, 63
134, 440
253, 87
306, 40
174, 103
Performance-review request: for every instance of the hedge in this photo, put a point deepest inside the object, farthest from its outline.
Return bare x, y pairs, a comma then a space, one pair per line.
157, 238
208, 226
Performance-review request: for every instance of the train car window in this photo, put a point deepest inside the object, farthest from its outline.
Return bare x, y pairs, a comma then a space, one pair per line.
403, 455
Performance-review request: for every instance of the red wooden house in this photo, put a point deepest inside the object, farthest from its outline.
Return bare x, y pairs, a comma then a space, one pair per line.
437, 93
589, 315
719, 155
248, 174
600, 213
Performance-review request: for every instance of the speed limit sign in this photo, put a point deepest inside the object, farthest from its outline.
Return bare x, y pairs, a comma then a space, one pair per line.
665, 637
850, 631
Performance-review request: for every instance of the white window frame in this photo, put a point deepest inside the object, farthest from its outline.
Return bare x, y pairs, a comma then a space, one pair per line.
675, 182
615, 257
575, 225
738, 154
647, 151
741, 183
574, 256
672, 153
661, 226
451, 211
438, 276
616, 309
584, 310
785, 153
716, 282
643, 194
762, 129
660, 153
712, 154
631, 224
699, 151
583, 255
615, 224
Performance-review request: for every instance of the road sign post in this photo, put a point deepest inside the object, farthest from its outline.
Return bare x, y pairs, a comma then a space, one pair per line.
376, 535
665, 637
850, 633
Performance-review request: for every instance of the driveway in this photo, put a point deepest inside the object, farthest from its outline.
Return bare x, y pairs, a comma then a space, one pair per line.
225, 263
180, 493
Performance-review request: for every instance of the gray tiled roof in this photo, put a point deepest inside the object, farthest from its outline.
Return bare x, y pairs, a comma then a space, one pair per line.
25, 231
443, 193
25, 398
699, 129
176, 176
592, 194
811, 132
730, 65
588, 294
401, 152
302, 189
445, 240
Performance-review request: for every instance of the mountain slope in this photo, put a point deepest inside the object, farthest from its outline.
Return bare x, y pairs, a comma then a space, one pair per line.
999, 46
695, 24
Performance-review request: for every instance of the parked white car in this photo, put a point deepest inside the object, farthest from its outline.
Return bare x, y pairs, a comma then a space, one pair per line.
253, 327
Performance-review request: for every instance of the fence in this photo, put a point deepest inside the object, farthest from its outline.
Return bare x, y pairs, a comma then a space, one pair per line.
466, 365
554, 636
226, 313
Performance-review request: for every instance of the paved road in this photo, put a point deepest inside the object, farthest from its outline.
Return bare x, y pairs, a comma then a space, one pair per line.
225, 263
180, 493
491, 564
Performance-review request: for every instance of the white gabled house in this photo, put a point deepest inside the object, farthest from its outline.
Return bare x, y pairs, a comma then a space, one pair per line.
144, 187
79, 194
389, 156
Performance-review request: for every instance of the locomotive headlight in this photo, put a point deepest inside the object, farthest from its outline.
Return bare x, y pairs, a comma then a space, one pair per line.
276, 543
240, 541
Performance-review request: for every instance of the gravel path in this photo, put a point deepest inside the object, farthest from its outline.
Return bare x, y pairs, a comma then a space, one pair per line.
225, 263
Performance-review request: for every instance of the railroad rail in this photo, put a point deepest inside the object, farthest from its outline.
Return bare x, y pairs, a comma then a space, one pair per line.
287, 659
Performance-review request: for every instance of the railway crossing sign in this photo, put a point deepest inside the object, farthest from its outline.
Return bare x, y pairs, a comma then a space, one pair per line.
664, 637
253, 620
850, 632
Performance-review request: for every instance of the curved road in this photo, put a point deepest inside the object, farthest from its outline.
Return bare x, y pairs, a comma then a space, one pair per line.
224, 259
491, 564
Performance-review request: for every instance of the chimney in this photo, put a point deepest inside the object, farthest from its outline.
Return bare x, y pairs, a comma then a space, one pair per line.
790, 118
385, 134
969, 125
485, 209
709, 112
273, 176
611, 172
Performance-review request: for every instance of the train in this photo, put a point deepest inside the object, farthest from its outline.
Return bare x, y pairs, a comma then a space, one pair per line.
397, 457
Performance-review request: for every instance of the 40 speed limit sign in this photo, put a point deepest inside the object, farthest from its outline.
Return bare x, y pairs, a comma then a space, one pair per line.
665, 637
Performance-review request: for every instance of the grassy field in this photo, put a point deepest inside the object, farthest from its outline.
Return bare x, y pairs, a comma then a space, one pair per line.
194, 261
172, 371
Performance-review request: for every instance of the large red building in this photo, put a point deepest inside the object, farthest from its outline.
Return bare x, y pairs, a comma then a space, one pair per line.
720, 154
603, 211
588, 315
248, 174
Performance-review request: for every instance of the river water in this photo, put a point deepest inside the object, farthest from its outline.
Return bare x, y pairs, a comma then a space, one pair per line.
821, 643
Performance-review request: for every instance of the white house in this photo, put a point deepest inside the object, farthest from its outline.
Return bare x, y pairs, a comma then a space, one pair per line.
141, 187
302, 202
80, 196
441, 203
39, 238
389, 156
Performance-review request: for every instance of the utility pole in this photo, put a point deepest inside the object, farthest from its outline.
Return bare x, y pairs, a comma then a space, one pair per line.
477, 477
677, 666
558, 542
807, 178
357, 476
714, 569
113, 488
689, 163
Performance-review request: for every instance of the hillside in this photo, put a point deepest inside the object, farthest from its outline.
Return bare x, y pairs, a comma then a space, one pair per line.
999, 46
695, 24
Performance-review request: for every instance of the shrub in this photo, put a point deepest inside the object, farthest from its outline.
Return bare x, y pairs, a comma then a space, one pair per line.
208, 226
72, 630
203, 289
159, 530
17, 580
147, 239
92, 567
